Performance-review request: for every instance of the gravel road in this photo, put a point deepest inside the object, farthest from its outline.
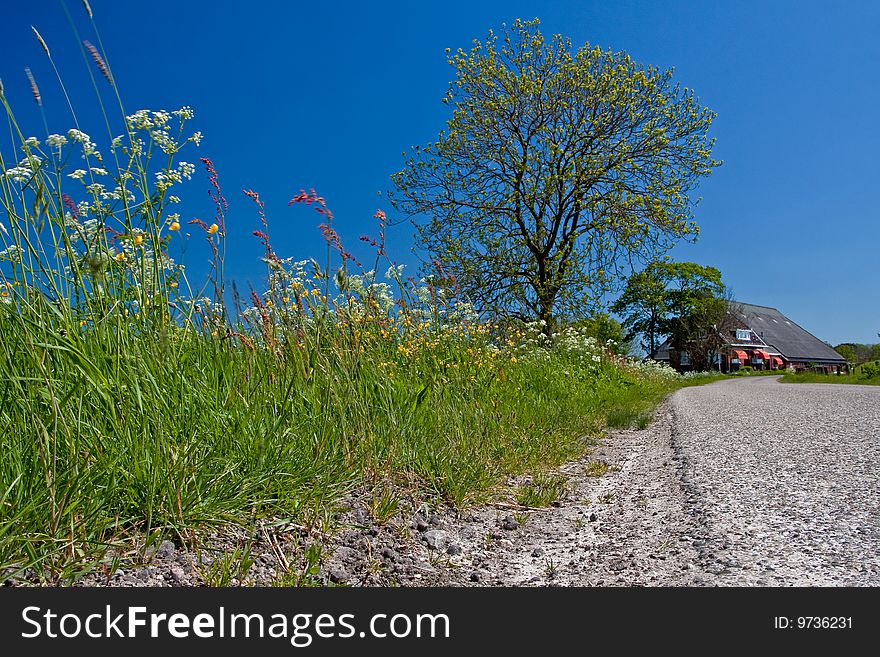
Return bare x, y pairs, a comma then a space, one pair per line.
783, 481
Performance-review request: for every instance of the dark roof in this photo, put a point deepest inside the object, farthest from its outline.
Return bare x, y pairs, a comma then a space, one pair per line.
789, 339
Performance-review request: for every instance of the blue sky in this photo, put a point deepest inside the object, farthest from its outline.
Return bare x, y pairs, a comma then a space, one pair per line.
328, 95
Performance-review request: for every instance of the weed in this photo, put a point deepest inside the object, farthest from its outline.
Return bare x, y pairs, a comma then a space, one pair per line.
383, 505
226, 569
596, 468
542, 491
307, 575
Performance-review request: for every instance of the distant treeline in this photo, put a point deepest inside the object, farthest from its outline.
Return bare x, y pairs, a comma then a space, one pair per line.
858, 353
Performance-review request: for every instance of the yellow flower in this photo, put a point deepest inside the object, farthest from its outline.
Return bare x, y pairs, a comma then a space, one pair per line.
4, 294
174, 226
120, 257
213, 229
138, 240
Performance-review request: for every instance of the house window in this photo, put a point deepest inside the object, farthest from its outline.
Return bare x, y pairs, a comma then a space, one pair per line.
685, 359
743, 334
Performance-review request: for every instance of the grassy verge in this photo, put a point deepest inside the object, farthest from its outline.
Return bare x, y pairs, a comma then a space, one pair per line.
812, 377
166, 434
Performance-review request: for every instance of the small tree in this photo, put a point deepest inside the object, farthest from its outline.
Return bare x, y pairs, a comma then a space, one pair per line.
555, 166
682, 300
606, 330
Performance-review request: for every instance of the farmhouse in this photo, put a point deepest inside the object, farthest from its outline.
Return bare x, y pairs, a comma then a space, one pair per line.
764, 339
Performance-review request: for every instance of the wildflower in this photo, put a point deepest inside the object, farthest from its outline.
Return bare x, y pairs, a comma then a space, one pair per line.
184, 113
18, 174
98, 171
138, 240
120, 257
56, 141
32, 142
213, 229
78, 135
175, 225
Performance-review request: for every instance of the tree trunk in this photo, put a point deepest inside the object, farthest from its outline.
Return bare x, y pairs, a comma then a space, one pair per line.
545, 314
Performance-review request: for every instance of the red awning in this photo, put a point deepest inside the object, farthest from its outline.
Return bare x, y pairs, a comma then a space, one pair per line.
740, 354
777, 361
759, 353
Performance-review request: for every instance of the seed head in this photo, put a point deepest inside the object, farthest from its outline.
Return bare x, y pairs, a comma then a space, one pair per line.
102, 65
88, 8
42, 42
35, 90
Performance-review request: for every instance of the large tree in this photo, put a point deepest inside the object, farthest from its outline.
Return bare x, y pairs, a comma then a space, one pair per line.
556, 166
683, 301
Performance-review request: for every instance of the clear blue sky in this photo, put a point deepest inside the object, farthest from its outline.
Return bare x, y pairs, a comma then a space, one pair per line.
327, 95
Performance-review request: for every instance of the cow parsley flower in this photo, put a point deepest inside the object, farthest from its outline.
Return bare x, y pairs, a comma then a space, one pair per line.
18, 174
185, 113
56, 141
79, 174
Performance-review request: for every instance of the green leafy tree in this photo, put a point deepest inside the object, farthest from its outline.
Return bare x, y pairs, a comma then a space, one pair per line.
644, 306
682, 300
848, 351
556, 166
606, 330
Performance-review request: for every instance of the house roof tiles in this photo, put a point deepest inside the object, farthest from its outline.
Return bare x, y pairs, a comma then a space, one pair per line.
792, 341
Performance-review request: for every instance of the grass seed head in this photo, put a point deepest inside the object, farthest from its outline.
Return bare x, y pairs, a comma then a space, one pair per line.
35, 90
42, 42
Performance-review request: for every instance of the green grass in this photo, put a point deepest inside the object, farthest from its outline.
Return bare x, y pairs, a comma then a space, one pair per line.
542, 491
812, 377
107, 439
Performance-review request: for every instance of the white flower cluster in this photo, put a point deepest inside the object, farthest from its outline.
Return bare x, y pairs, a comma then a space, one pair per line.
652, 369
184, 171
12, 253
88, 146
158, 125
21, 173
56, 141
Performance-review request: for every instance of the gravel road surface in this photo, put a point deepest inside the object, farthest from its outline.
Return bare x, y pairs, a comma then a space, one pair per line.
783, 480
